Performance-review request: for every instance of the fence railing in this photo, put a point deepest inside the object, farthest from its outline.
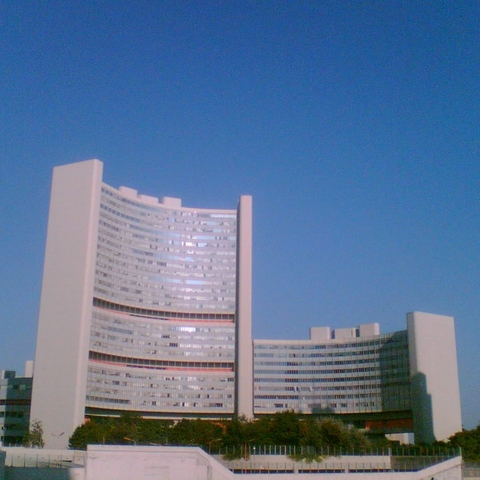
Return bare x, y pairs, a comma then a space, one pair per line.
45, 459
277, 459
345, 466
288, 459
249, 458
471, 469
247, 450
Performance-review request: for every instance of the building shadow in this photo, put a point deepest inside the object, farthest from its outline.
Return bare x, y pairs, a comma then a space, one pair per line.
422, 410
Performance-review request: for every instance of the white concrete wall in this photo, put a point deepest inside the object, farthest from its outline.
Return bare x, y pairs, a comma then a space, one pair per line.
369, 329
58, 396
320, 334
244, 344
152, 463
434, 376
128, 462
448, 470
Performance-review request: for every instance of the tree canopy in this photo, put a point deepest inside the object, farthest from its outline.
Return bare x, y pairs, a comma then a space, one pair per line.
129, 429
311, 434
34, 437
286, 428
468, 441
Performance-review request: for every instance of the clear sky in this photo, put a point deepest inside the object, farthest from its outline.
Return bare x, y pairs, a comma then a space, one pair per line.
354, 124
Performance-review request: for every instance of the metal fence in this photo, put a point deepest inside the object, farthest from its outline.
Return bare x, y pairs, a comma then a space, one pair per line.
45, 459
471, 470
346, 466
247, 450
277, 459
288, 459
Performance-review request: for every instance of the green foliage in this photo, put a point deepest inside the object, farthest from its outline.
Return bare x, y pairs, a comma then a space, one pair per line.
239, 433
334, 432
91, 432
34, 438
317, 434
128, 429
195, 432
236, 436
154, 432
469, 442
285, 428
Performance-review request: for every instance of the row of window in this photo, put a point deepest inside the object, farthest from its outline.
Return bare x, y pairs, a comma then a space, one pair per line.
299, 379
163, 315
119, 201
312, 397
159, 405
160, 364
333, 371
333, 407
330, 354
374, 360
378, 341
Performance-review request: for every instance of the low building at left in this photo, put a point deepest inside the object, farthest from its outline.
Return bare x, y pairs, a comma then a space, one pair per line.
15, 400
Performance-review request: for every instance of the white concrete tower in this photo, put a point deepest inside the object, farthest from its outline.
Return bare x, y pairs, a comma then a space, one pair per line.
434, 376
244, 344
60, 370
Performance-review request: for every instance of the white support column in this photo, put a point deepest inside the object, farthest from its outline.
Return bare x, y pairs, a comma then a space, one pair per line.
243, 317
434, 376
60, 371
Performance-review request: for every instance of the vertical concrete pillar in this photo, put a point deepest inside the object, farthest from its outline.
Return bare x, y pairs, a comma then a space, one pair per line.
60, 369
243, 317
434, 376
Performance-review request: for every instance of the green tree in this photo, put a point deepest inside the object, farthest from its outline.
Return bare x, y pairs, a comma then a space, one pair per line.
318, 435
469, 442
90, 433
263, 431
126, 430
238, 435
195, 432
285, 428
154, 432
335, 433
34, 438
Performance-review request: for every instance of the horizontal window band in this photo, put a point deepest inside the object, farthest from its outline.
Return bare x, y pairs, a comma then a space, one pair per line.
160, 364
147, 312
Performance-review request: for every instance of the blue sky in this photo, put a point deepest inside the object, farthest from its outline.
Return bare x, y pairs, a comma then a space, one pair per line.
354, 124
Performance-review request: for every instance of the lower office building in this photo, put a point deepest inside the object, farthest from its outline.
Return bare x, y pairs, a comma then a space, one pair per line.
146, 307
399, 382
15, 400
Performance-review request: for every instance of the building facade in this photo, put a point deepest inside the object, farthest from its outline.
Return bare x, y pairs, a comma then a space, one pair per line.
343, 372
146, 307
15, 400
401, 382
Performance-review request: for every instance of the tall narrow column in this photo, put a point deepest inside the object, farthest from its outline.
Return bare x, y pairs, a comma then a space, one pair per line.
60, 371
243, 317
434, 376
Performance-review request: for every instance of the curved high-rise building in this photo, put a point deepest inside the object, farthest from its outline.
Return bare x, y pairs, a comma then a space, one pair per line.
400, 382
146, 306
357, 373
